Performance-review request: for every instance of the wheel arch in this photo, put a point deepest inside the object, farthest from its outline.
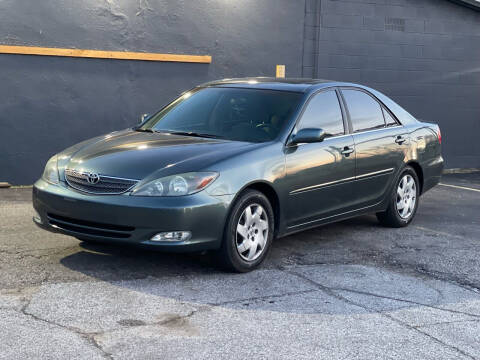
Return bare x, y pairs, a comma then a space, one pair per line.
269, 191
419, 171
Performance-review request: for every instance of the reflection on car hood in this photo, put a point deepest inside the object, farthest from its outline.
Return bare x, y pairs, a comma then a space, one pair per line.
135, 155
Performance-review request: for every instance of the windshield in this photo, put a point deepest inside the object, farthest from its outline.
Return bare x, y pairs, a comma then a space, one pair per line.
251, 115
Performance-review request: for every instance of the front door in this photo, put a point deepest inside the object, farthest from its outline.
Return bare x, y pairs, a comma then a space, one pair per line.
320, 176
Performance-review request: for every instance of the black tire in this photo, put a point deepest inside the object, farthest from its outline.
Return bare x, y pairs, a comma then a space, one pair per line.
228, 256
391, 217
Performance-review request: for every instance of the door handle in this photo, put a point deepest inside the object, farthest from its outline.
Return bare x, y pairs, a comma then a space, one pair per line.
347, 151
400, 140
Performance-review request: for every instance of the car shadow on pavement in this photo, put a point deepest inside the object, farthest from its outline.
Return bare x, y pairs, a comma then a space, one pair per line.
354, 280
327, 270
123, 262
106, 261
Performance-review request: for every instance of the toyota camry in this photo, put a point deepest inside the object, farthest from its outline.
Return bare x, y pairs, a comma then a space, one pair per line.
231, 165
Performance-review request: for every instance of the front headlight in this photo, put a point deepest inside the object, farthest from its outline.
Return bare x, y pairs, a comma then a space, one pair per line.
50, 174
177, 185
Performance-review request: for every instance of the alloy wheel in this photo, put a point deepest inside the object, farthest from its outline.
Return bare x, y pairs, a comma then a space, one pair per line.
252, 232
406, 196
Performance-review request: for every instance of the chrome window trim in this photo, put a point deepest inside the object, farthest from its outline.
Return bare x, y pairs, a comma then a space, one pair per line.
373, 130
352, 134
320, 142
336, 137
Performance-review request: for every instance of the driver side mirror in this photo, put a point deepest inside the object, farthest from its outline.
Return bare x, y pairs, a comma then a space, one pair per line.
308, 135
144, 117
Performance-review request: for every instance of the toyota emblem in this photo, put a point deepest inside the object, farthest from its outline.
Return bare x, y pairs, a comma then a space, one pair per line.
93, 178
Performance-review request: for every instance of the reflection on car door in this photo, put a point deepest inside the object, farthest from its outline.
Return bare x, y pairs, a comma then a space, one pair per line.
320, 176
380, 146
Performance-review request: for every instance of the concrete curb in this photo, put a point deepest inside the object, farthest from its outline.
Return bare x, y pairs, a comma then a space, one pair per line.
460, 171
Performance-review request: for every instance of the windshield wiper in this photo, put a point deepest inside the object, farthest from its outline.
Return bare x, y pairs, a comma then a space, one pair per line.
143, 130
195, 134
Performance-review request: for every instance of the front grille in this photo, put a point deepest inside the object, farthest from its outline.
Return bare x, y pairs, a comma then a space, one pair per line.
89, 227
104, 185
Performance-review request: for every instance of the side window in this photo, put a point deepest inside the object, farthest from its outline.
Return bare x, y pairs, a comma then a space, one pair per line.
365, 112
389, 120
323, 111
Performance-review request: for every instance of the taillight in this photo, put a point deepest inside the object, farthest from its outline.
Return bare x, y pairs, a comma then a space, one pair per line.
439, 134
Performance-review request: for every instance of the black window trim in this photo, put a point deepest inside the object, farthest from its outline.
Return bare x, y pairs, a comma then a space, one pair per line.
382, 107
346, 128
385, 109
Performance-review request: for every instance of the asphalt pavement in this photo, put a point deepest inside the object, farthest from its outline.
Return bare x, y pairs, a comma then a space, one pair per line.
350, 290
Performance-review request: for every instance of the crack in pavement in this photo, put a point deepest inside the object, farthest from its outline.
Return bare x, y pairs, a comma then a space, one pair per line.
448, 322
176, 318
91, 337
403, 300
385, 260
464, 284
254, 298
331, 292
436, 232
21, 254
389, 264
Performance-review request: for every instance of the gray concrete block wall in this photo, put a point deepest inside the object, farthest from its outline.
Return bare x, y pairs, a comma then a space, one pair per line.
425, 54
310, 38
49, 103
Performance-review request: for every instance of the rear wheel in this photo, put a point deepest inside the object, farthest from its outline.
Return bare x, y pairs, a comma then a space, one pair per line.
248, 233
403, 202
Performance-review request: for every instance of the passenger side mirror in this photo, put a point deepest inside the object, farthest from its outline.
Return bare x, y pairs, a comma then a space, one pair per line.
144, 117
308, 135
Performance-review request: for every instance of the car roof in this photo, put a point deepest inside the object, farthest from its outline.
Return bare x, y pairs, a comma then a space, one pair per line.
269, 83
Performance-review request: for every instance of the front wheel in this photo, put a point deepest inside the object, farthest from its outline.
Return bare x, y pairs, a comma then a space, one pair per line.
248, 233
403, 201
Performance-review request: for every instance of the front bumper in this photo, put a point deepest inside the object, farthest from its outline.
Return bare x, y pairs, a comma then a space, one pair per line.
131, 219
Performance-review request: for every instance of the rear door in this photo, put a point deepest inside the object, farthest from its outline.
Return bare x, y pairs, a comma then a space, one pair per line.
380, 145
320, 176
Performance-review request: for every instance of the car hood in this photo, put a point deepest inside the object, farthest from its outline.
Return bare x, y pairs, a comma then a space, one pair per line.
136, 155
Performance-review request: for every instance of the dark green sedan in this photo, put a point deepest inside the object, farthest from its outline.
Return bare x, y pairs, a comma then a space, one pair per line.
232, 164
